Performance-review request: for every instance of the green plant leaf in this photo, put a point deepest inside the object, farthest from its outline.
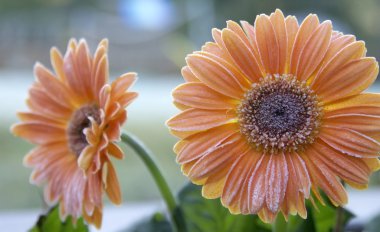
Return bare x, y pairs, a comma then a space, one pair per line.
52, 222
156, 223
204, 215
321, 219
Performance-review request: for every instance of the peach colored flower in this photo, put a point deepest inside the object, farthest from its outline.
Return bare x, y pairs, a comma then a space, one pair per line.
74, 119
273, 111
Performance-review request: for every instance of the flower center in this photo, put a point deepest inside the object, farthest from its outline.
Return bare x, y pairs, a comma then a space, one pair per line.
279, 114
79, 121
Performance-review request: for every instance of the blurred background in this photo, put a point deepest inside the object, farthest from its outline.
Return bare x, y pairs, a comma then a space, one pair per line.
151, 37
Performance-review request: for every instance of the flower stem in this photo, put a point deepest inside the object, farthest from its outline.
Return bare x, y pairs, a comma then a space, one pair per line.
147, 157
279, 225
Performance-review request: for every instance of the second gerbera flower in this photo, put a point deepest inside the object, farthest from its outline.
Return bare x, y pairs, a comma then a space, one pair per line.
275, 110
74, 118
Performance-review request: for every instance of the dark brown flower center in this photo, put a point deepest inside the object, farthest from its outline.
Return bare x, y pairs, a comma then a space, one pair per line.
79, 121
279, 114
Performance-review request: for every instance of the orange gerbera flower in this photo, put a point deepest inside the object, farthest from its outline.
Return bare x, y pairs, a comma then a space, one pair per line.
274, 110
75, 119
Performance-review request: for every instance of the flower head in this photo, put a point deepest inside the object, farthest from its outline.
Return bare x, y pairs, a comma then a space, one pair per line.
274, 111
74, 119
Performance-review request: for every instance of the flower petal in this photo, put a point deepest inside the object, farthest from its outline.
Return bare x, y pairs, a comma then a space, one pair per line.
202, 143
188, 75
314, 51
268, 44
112, 187
308, 26
348, 168
200, 120
236, 177
242, 55
366, 124
365, 103
337, 45
291, 32
37, 133
350, 142
53, 87
217, 159
57, 63
276, 180
216, 76
198, 95
256, 186
349, 53
323, 177
278, 21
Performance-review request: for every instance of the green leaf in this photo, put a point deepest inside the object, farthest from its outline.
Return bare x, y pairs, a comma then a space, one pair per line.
156, 223
321, 219
52, 222
204, 215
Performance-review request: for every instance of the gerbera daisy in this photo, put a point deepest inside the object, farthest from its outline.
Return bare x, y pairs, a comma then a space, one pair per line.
275, 111
74, 118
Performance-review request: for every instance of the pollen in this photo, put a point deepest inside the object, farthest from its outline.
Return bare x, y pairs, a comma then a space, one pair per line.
79, 121
279, 114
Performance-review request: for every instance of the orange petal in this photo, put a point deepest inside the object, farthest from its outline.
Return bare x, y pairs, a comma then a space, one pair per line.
53, 87
256, 186
216, 76
242, 55
35, 117
41, 154
101, 75
84, 66
291, 32
348, 168
202, 143
57, 63
351, 79
198, 95
188, 75
112, 186
366, 124
236, 178
298, 187
200, 120
349, 53
74, 80
218, 158
268, 44
115, 151
214, 184
278, 21
308, 26
323, 177
314, 51
122, 83
250, 31
337, 45
365, 103
37, 133
350, 142
40, 102
276, 179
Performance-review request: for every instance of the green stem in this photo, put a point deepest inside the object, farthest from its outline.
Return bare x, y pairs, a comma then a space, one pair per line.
279, 225
147, 157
